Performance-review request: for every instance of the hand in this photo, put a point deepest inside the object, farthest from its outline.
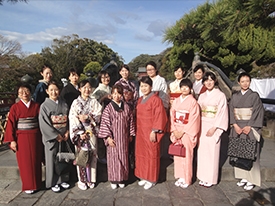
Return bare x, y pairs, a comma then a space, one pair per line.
66, 136
59, 138
130, 138
211, 132
13, 146
178, 134
246, 130
83, 136
238, 130
153, 137
111, 142
82, 117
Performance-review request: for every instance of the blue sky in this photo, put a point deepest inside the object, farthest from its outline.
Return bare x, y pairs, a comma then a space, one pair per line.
129, 28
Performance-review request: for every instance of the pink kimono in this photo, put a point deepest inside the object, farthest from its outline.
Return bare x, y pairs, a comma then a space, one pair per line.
214, 114
185, 116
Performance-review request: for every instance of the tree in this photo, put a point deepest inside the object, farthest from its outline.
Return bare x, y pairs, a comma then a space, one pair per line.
12, 1
231, 34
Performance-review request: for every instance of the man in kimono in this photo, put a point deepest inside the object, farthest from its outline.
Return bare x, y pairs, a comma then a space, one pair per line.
246, 117
151, 121
23, 134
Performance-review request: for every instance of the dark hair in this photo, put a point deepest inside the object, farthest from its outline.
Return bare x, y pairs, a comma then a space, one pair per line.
83, 83
212, 76
199, 67
118, 88
146, 80
100, 74
186, 82
24, 85
73, 70
124, 66
54, 83
152, 63
244, 74
179, 67
45, 67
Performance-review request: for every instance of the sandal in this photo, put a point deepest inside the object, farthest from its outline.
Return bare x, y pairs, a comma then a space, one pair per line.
179, 181
82, 185
201, 183
183, 185
249, 186
91, 185
207, 185
242, 183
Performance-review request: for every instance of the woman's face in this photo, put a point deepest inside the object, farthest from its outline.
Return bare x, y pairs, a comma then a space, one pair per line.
116, 96
24, 94
185, 90
209, 83
47, 74
85, 90
145, 88
124, 73
74, 78
244, 83
105, 79
151, 71
198, 74
53, 92
179, 74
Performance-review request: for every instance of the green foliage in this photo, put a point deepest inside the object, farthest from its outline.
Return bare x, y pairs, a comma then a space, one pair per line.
95, 67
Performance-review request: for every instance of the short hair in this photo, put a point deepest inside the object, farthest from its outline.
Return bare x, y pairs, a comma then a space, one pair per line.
146, 80
199, 67
73, 70
212, 76
83, 83
100, 74
179, 67
54, 83
118, 88
152, 63
45, 67
24, 85
244, 74
124, 66
186, 82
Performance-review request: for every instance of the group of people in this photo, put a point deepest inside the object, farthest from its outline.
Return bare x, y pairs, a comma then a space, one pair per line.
103, 123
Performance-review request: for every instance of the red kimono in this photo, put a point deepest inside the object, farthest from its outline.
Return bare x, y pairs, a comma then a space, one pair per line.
151, 115
29, 142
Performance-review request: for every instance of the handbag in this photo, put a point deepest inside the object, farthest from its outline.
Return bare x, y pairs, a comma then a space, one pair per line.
176, 149
82, 158
63, 160
244, 148
245, 164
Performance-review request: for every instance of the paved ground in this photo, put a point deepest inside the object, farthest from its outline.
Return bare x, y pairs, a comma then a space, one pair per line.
164, 193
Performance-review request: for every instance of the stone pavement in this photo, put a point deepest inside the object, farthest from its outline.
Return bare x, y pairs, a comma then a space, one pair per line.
164, 193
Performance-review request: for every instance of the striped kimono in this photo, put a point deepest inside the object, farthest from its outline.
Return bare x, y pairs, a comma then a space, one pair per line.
117, 123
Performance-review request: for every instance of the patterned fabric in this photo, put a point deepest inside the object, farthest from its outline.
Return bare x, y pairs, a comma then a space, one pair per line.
27, 123
181, 116
59, 121
209, 111
243, 113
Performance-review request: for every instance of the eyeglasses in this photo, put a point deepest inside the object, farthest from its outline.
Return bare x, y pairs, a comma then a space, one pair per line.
149, 70
25, 91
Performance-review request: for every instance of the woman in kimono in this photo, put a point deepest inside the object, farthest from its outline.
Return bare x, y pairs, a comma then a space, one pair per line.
53, 122
84, 118
117, 128
151, 122
214, 122
23, 134
198, 86
40, 93
174, 86
130, 92
246, 118
185, 127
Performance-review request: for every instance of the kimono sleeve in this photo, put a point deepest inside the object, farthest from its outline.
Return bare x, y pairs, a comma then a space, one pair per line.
222, 114
257, 117
192, 128
231, 110
105, 129
10, 132
159, 115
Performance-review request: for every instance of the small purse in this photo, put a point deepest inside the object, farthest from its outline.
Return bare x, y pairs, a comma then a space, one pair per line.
241, 163
63, 160
82, 158
176, 149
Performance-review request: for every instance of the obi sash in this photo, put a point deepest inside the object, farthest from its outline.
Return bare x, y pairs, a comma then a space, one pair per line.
209, 111
27, 123
242, 113
59, 121
181, 116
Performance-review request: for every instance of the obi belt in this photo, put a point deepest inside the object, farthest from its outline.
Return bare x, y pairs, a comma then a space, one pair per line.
27, 123
209, 111
59, 121
242, 113
181, 116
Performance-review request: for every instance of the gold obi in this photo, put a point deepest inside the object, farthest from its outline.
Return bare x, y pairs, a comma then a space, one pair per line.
181, 116
242, 113
209, 111
59, 121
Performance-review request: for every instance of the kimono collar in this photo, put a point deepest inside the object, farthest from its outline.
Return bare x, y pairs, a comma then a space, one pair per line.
118, 108
43, 81
26, 104
243, 93
182, 99
198, 82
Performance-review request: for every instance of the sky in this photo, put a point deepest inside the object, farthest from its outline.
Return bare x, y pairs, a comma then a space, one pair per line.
128, 27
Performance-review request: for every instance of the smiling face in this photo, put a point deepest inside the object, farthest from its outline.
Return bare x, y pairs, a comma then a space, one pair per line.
209, 84
85, 90
198, 74
53, 92
124, 73
24, 94
105, 79
151, 71
47, 74
185, 90
179, 74
116, 96
244, 83
145, 88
